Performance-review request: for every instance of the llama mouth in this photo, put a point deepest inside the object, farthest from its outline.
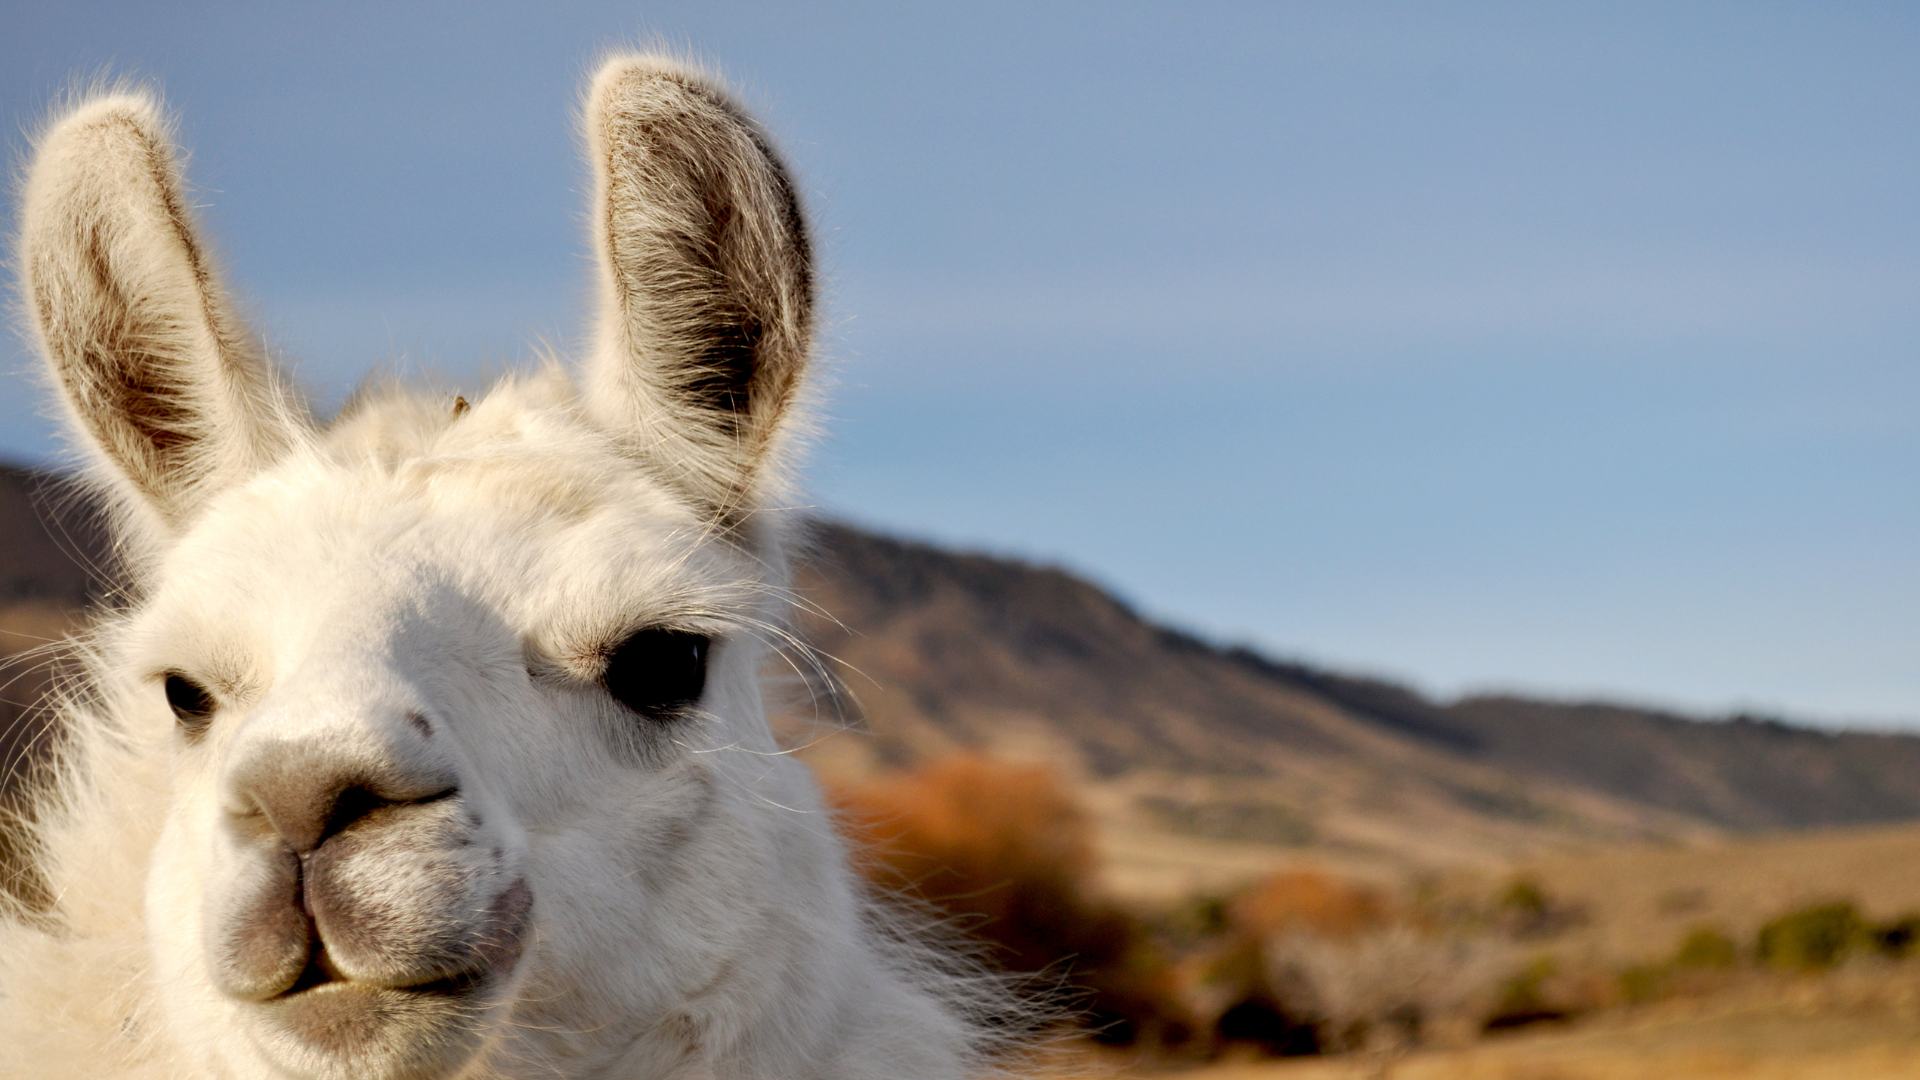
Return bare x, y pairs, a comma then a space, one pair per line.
343, 1030
328, 1011
320, 976
502, 933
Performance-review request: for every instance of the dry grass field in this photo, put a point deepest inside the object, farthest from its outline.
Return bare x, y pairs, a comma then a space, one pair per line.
1641, 900
1746, 1042
1860, 1021
1858, 1026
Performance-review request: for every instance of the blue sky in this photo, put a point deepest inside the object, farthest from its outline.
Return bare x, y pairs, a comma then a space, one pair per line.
1562, 347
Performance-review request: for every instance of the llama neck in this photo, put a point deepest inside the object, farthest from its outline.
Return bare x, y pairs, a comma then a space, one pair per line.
860, 1022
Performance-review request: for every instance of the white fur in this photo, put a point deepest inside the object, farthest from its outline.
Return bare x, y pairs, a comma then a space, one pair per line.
693, 915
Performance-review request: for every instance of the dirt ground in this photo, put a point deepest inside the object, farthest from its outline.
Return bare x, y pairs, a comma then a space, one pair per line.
1814, 1035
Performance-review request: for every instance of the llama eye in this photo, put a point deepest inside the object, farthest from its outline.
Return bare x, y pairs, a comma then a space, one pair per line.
192, 704
657, 672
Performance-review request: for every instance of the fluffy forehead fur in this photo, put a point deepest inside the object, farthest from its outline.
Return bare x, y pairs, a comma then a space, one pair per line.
518, 500
406, 775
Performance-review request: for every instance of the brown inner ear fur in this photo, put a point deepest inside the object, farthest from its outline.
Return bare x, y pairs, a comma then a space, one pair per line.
123, 374
711, 268
128, 349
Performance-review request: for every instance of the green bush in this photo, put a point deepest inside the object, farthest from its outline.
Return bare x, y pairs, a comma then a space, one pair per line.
1525, 899
1643, 983
1814, 937
1706, 947
1525, 991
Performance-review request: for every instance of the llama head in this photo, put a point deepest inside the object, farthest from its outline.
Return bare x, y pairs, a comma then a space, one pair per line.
466, 758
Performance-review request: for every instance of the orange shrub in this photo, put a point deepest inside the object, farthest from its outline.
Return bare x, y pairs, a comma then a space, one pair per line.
1007, 852
1311, 902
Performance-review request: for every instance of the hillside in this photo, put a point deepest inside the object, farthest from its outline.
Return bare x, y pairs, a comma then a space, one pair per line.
1012, 640
48, 537
1198, 759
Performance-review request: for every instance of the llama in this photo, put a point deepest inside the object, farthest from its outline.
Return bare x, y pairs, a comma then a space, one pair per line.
429, 742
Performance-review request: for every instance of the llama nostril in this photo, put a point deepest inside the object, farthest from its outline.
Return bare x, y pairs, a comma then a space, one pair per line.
420, 723
310, 789
356, 802
249, 820
301, 821
353, 803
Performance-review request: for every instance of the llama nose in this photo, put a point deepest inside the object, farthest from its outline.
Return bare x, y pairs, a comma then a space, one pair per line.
305, 792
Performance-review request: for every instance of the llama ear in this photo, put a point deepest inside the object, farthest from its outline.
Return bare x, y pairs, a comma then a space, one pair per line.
706, 283
161, 383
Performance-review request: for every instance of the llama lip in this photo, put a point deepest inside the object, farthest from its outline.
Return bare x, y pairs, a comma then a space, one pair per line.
502, 934
346, 1029
369, 1030
508, 919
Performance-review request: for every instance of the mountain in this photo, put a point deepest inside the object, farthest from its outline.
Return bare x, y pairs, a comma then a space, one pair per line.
1179, 736
50, 536
1200, 761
